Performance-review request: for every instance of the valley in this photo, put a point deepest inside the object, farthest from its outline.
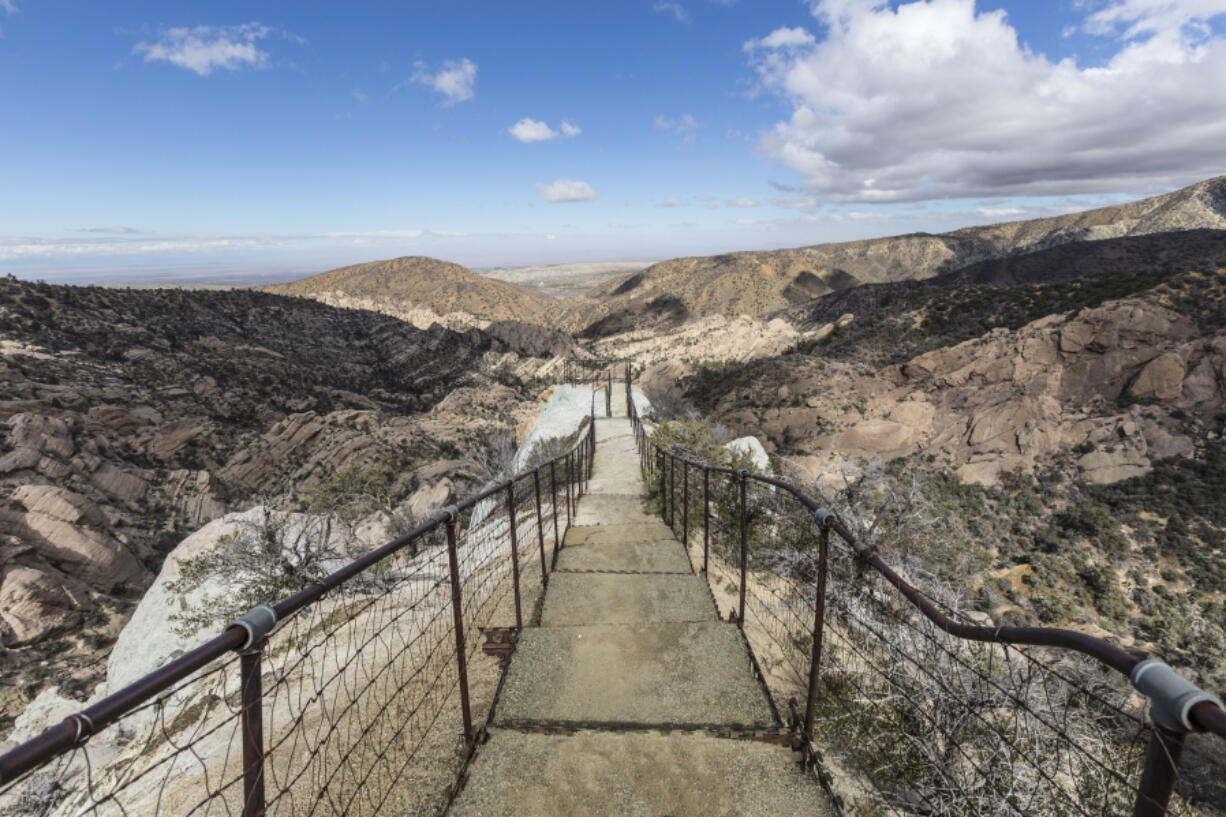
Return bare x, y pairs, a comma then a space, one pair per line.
1032, 411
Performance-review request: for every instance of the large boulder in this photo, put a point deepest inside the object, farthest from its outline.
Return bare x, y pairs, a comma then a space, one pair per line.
1161, 379
752, 447
35, 604
72, 532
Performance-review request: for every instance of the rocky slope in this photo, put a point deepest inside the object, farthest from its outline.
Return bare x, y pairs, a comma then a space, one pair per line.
130, 418
760, 283
1077, 435
423, 290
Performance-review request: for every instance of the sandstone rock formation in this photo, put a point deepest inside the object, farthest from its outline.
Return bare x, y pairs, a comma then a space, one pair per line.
128, 419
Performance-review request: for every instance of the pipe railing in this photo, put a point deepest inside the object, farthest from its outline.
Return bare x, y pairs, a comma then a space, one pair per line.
331, 661
1177, 707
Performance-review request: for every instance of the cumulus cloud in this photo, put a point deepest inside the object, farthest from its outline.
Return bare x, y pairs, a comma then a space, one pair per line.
454, 81
564, 190
673, 202
531, 130
935, 99
204, 49
1000, 212
675, 9
684, 123
782, 38
360, 96
742, 202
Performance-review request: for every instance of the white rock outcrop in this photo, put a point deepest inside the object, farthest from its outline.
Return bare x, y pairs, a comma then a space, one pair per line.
753, 447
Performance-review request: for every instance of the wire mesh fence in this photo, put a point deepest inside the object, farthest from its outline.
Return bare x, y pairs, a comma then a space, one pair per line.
905, 716
366, 698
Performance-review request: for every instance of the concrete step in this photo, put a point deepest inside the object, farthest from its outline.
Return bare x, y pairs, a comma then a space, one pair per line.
611, 508
607, 774
682, 675
613, 428
594, 598
653, 531
640, 557
620, 476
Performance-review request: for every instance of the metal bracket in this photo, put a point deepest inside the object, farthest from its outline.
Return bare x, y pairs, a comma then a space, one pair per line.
743, 473
825, 518
500, 642
452, 512
258, 622
1171, 696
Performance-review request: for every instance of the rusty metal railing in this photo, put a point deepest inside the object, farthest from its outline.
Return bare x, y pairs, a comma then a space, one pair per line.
358, 694
940, 713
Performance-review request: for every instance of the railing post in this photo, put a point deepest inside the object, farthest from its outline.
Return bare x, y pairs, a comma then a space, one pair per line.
740, 616
569, 480
1158, 772
706, 516
540, 528
819, 618
519, 618
661, 480
685, 505
672, 490
253, 730
553, 504
457, 609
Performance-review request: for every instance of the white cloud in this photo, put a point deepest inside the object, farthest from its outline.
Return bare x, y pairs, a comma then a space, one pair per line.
782, 38
455, 81
742, 202
1000, 212
564, 190
9, 6
934, 99
681, 125
530, 130
1138, 18
794, 202
360, 96
673, 202
204, 49
676, 9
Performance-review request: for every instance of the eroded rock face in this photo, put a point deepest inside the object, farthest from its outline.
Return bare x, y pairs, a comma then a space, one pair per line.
35, 604
72, 532
1108, 378
139, 416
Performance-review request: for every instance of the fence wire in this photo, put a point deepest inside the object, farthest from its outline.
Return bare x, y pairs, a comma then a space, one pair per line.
910, 719
362, 697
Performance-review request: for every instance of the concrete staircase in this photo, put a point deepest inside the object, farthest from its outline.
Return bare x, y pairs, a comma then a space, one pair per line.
615, 703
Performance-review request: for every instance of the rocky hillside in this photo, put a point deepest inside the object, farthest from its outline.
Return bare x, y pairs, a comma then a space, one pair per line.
423, 290
131, 418
1072, 429
759, 283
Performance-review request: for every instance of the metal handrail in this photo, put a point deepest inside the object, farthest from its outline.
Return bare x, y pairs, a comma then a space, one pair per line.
1173, 714
62, 738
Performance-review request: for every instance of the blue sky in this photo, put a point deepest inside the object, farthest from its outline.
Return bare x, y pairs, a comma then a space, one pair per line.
252, 139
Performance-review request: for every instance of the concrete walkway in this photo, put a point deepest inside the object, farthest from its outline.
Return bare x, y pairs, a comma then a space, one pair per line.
615, 704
